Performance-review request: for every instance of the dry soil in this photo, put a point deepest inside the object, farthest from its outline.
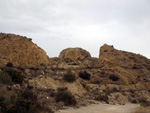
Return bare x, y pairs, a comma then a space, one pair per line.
101, 108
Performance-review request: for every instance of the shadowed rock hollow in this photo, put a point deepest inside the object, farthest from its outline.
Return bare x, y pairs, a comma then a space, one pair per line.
20, 51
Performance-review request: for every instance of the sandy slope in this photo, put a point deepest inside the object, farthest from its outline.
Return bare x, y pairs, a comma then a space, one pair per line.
102, 108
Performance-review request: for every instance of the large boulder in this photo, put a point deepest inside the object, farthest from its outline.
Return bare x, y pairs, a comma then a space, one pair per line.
74, 54
20, 51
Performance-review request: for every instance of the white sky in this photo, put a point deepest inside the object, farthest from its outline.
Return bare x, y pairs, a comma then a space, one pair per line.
58, 24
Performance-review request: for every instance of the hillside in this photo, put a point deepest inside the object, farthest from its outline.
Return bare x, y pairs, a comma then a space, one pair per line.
20, 51
43, 84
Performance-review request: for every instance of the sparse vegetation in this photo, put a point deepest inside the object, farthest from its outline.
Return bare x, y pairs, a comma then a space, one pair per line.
116, 77
25, 102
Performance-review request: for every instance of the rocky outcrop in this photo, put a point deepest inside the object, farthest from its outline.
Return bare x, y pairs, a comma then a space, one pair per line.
74, 58
20, 51
123, 67
122, 58
74, 54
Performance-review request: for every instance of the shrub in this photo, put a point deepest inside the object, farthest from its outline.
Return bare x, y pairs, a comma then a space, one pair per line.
27, 103
16, 75
2, 105
69, 76
66, 97
29, 95
102, 97
26, 106
84, 75
144, 102
9, 65
2, 99
5, 78
113, 78
23, 106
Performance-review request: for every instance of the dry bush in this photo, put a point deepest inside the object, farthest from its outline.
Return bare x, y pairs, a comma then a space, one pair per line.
144, 102
9, 64
69, 76
15, 74
5, 78
66, 97
102, 97
29, 95
28, 106
24, 102
84, 75
113, 77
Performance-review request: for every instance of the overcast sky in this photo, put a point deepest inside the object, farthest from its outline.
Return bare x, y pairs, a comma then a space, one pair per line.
58, 24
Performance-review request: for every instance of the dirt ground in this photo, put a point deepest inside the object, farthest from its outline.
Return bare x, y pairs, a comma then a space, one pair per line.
101, 108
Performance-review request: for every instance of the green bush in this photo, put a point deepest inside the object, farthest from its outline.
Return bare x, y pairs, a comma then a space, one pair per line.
66, 97
69, 76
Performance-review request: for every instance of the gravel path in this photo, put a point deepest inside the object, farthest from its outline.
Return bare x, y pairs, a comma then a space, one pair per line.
101, 108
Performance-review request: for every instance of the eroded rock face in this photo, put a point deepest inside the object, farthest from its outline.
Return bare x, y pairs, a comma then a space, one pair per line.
20, 51
127, 67
74, 54
122, 58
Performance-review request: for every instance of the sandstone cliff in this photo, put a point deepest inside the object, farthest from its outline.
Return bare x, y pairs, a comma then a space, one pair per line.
20, 51
124, 67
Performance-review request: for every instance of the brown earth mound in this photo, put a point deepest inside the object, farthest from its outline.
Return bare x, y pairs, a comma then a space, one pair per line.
74, 54
20, 51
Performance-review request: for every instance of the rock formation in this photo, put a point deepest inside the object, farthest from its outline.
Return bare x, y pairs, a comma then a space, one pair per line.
122, 66
121, 58
20, 51
116, 77
74, 54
